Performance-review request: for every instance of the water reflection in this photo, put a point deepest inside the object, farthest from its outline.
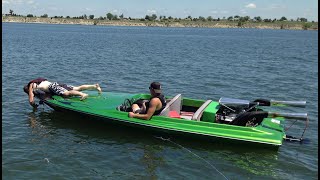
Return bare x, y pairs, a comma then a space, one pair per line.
37, 128
229, 158
152, 159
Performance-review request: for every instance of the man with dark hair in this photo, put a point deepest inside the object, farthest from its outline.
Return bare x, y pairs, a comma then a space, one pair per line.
154, 106
44, 86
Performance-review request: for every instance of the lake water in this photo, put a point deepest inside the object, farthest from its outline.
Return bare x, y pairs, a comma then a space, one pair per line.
199, 63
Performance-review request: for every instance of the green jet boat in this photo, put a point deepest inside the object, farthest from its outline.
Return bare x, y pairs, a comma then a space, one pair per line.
225, 119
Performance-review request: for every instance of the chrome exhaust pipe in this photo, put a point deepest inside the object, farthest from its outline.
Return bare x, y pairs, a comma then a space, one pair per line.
288, 103
297, 116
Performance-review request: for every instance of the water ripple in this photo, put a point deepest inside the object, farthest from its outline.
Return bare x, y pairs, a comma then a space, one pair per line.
197, 62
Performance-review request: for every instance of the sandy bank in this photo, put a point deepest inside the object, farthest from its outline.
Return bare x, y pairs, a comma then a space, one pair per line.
182, 23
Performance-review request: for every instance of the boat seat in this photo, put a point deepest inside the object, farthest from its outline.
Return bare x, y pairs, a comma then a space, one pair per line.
198, 114
173, 105
186, 115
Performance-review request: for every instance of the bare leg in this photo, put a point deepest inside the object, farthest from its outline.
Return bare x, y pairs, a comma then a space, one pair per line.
135, 107
75, 93
87, 87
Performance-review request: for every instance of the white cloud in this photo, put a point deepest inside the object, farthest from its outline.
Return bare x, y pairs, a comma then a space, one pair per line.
53, 8
251, 5
114, 11
88, 9
152, 11
242, 11
277, 6
217, 12
214, 12
187, 11
17, 2
224, 12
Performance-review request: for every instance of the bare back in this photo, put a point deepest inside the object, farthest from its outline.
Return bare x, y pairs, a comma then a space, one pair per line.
43, 86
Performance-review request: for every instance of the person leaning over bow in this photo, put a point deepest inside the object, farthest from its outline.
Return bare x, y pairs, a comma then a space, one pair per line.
56, 88
154, 106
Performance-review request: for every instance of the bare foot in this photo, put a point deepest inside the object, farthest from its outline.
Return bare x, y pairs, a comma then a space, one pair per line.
98, 88
84, 97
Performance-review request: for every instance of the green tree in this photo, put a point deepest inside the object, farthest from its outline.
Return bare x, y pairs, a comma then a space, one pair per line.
91, 16
44, 16
109, 16
306, 26
230, 18
283, 18
303, 19
267, 20
115, 17
147, 17
29, 15
121, 16
67, 17
153, 17
241, 19
258, 18
202, 18
11, 12
209, 18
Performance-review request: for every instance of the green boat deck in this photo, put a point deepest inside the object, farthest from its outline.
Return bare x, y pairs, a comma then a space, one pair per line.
104, 106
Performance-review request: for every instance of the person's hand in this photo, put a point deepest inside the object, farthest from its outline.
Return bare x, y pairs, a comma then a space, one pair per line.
131, 114
33, 104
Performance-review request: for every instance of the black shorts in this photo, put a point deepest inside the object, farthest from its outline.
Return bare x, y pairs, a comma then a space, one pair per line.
59, 89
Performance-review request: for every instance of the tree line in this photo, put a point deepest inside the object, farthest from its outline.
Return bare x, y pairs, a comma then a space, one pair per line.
154, 17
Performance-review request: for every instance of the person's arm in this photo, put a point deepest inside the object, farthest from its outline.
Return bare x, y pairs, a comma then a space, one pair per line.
31, 96
152, 108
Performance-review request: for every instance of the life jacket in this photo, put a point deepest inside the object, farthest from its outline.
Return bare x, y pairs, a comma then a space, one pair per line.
37, 81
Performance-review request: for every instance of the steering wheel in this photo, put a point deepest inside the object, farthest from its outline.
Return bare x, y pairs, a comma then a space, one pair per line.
126, 105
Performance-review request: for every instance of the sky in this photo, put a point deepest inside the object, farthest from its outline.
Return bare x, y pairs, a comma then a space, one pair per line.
270, 9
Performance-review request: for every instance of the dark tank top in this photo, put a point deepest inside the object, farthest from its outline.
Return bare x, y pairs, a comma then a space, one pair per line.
163, 102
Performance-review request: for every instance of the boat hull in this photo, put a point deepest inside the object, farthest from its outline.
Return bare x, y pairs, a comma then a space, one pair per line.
103, 108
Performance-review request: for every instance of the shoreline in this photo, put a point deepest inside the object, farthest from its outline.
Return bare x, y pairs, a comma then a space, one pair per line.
182, 23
